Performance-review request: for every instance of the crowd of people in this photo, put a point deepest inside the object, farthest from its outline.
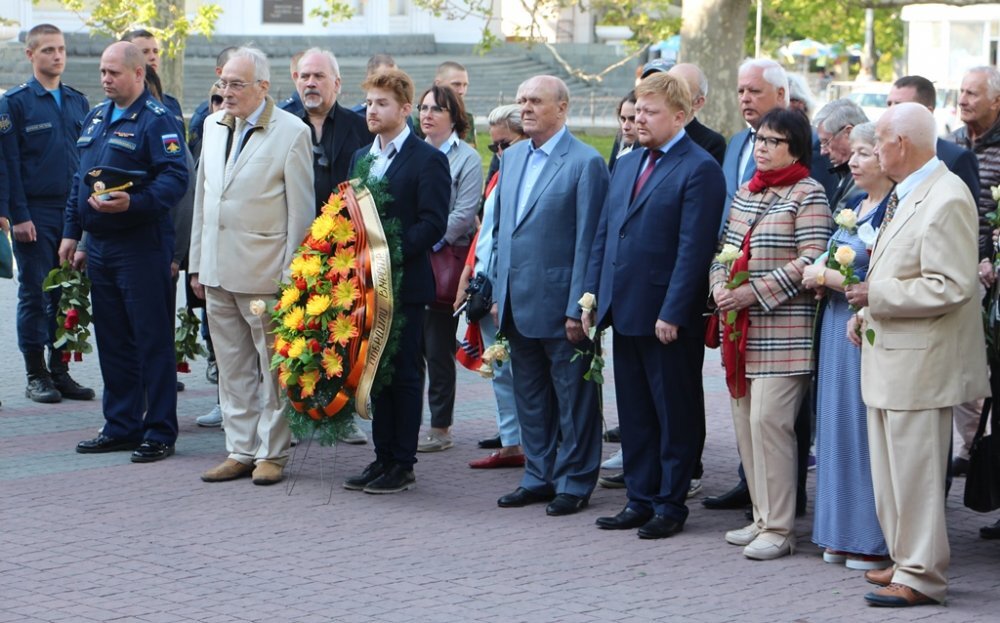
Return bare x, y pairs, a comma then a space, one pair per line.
881, 227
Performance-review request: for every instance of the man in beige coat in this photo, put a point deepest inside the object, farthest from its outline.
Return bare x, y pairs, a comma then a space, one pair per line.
921, 301
253, 204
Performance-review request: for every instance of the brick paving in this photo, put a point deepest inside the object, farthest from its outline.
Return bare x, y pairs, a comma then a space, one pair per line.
96, 538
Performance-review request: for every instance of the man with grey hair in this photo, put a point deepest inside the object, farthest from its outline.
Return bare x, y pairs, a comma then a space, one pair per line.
833, 124
336, 134
920, 300
256, 175
550, 183
703, 136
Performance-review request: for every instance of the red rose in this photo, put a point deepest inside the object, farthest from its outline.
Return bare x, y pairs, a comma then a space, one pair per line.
300, 283
183, 367
315, 346
66, 356
284, 350
77, 356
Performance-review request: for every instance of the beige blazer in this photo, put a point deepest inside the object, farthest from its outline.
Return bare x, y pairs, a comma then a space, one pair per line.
245, 230
923, 303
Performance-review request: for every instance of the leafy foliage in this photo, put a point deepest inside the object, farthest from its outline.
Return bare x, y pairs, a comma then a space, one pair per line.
73, 321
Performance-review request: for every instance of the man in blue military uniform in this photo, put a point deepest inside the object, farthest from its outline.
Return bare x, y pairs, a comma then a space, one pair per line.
204, 109
293, 103
129, 250
150, 48
40, 121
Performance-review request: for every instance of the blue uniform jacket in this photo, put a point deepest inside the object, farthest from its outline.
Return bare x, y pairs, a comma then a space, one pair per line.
39, 144
145, 138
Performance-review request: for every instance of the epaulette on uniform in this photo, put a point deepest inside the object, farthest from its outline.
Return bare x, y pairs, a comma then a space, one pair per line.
16, 90
155, 107
77, 91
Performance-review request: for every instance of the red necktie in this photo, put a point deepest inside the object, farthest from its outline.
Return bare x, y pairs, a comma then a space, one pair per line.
653, 156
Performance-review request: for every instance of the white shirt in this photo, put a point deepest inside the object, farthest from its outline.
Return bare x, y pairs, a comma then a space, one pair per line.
384, 155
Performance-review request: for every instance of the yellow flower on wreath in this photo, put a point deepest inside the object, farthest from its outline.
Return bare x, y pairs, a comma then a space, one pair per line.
297, 348
284, 375
333, 363
308, 382
306, 266
290, 296
342, 231
342, 330
333, 206
345, 293
343, 261
318, 303
280, 343
294, 318
322, 226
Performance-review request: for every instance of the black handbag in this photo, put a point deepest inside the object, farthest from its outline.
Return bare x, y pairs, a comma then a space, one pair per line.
479, 299
982, 483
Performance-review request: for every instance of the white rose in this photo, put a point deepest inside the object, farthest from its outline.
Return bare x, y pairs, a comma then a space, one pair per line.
844, 256
588, 302
847, 218
257, 307
729, 254
486, 371
996, 192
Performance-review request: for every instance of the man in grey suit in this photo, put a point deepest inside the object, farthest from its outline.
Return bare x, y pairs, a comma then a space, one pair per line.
549, 201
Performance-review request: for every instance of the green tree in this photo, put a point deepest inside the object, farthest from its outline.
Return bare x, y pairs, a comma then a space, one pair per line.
164, 18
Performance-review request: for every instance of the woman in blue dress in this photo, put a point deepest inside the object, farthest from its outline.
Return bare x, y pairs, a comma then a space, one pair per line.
845, 523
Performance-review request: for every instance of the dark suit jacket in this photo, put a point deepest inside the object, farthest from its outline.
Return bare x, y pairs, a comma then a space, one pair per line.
962, 162
708, 139
420, 186
651, 255
343, 134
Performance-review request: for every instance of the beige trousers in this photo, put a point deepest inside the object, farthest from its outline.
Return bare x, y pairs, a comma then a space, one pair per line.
764, 420
908, 454
966, 423
249, 394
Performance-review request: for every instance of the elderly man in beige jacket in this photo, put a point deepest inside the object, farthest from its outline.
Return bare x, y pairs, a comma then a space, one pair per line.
921, 301
253, 204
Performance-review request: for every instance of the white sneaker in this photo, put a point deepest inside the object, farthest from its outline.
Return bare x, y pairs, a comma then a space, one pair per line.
695, 488
743, 536
212, 419
768, 547
354, 435
614, 462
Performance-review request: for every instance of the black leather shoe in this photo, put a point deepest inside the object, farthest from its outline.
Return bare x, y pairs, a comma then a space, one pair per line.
565, 504
737, 497
625, 520
69, 388
614, 481
395, 479
373, 471
491, 443
660, 527
522, 497
180, 386
101, 444
613, 435
990, 532
41, 389
151, 451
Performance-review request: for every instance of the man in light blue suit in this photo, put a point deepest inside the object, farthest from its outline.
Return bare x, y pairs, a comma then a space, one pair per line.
549, 200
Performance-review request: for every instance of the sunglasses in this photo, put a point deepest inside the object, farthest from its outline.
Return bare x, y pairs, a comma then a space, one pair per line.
498, 147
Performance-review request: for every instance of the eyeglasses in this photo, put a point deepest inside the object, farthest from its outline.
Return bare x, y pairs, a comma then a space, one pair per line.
434, 109
771, 142
236, 85
319, 157
826, 143
498, 146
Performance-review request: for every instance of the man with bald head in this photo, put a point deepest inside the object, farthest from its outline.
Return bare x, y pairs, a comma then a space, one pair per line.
129, 251
921, 302
336, 133
549, 200
703, 136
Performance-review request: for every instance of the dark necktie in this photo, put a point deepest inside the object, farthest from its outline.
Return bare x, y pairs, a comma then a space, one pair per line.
890, 209
653, 156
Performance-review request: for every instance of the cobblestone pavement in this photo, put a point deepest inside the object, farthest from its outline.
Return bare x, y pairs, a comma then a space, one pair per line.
97, 538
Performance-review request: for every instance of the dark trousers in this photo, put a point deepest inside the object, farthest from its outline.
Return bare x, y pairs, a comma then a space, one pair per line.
131, 292
439, 351
660, 399
396, 420
36, 309
558, 413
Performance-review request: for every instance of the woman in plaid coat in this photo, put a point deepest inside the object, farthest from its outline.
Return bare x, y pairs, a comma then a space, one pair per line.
781, 221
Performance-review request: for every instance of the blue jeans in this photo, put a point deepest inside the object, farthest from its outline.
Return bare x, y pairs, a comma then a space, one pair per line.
503, 389
37, 310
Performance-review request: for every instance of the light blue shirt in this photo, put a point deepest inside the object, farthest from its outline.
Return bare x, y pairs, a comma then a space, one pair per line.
384, 155
484, 244
913, 179
448, 143
537, 157
57, 94
663, 149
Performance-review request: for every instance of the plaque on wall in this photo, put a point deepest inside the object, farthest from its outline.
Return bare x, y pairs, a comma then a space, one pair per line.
282, 11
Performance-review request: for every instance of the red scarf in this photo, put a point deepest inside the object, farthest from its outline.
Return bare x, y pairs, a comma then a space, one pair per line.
762, 180
734, 336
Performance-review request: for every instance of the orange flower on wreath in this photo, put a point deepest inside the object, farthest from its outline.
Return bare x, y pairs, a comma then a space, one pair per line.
333, 363
345, 293
342, 330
